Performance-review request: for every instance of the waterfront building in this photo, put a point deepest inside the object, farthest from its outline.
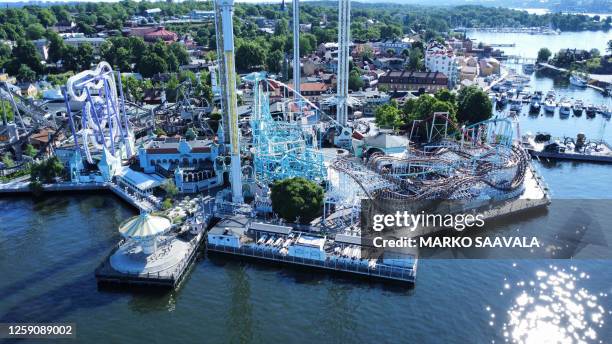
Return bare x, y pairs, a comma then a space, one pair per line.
441, 58
190, 163
418, 81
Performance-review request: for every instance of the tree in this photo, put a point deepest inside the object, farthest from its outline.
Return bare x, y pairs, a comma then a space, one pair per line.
474, 105
56, 46
26, 73
415, 60
355, 83
35, 31
249, 55
152, 64
47, 171
274, 61
85, 56
29, 150
295, 198
282, 27
170, 188
190, 134
544, 55
388, 115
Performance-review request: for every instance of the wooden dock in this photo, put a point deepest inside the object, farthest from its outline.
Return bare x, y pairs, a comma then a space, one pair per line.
167, 279
381, 272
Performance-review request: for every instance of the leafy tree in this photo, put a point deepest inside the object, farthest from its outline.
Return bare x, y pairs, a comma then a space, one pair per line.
35, 31
274, 61
152, 64
544, 55
355, 82
282, 27
56, 46
26, 73
388, 115
46, 17
474, 105
249, 55
7, 160
166, 204
170, 188
295, 198
415, 60
47, 171
190, 134
425, 106
29, 150
85, 56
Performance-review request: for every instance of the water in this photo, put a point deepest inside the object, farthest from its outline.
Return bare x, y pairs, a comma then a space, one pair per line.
528, 45
50, 248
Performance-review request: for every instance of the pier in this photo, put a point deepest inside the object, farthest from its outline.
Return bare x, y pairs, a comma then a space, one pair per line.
167, 277
244, 237
155, 252
22, 186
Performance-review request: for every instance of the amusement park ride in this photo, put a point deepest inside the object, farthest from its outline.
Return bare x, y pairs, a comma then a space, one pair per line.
440, 161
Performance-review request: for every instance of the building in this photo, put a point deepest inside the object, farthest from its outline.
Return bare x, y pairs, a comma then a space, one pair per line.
418, 81
488, 66
397, 46
28, 89
160, 33
396, 63
42, 46
313, 88
369, 100
95, 42
152, 34
469, 68
202, 15
191, 163
153, 12
441, 58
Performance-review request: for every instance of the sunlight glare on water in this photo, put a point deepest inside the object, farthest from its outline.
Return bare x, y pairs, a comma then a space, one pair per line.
554, 309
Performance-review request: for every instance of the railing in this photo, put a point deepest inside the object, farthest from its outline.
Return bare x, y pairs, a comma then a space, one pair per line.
381, 271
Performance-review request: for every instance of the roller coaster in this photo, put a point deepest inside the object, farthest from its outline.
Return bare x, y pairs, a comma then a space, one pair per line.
480, 161
282, 149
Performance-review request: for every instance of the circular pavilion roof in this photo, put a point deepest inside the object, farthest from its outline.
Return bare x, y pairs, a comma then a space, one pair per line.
144, 226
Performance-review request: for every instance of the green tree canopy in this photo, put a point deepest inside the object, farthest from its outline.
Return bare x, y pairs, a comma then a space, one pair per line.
544, 54
295, 198
355, 83
388, 115
474, 105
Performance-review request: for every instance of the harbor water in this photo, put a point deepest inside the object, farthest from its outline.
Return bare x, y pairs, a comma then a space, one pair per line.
49, 249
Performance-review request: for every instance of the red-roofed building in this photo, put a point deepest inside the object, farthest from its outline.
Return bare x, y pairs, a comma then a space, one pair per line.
152, 34
314, 88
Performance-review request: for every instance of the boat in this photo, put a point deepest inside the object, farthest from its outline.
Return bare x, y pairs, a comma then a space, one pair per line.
528, 68
578, 107
501, 101
535, 105
577, 81
565, 107
591, 110
549, 102
516, 105
604, 111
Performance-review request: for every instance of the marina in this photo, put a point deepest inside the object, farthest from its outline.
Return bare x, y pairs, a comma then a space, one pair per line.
567, 148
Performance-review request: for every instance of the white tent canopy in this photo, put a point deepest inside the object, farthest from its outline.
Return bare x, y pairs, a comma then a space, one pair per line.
144, 226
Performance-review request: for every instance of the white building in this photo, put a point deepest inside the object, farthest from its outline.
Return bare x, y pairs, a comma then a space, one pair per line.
440, 58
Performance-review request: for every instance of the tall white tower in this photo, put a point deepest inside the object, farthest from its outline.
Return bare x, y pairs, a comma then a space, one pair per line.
296, 49
224, 13
344, 33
